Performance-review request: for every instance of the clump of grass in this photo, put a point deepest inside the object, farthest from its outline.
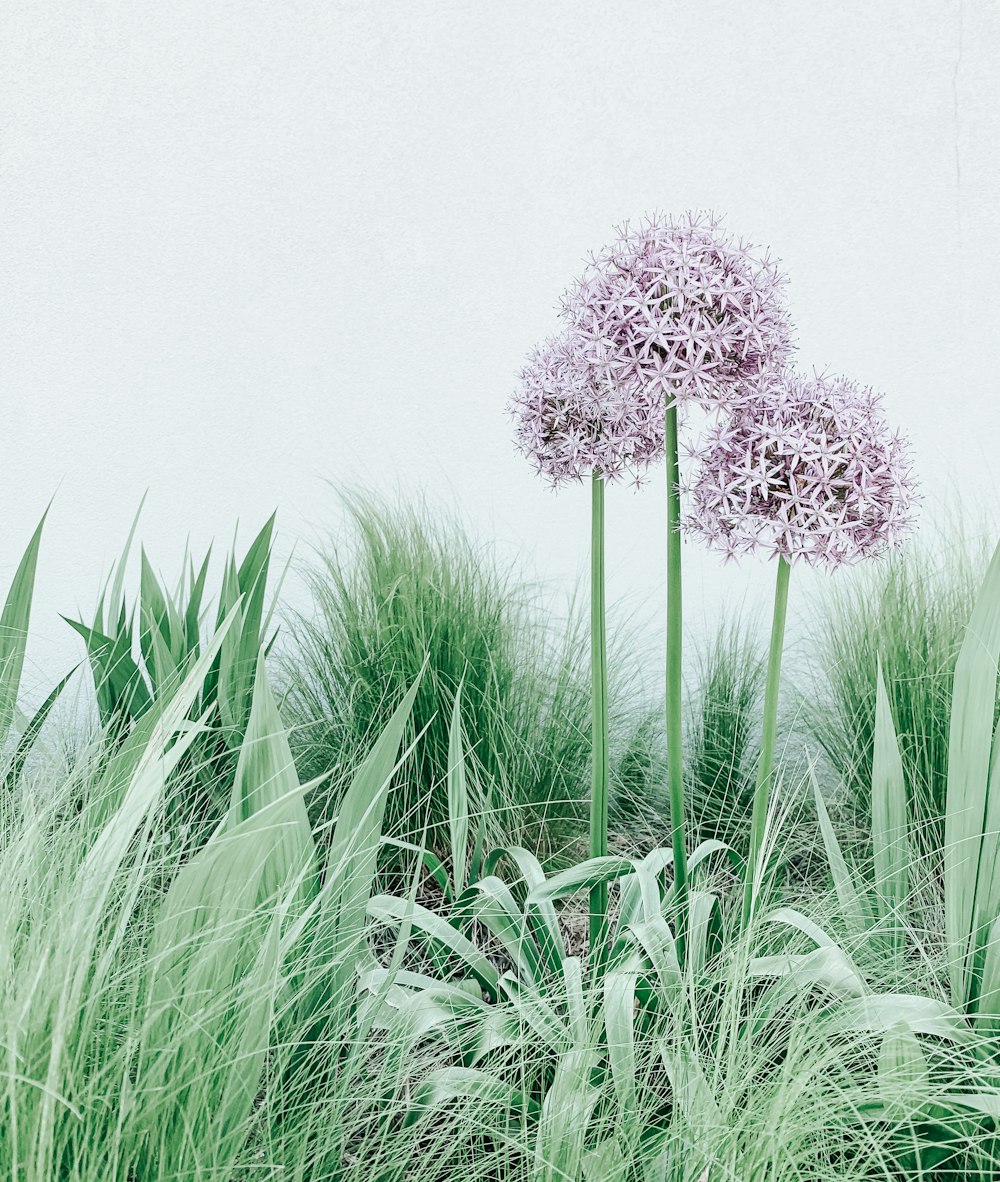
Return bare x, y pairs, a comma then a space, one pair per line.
403, 582
910, 611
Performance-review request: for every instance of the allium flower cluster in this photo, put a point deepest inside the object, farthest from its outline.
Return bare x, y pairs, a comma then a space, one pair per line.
569, 425
802, 467
681, 309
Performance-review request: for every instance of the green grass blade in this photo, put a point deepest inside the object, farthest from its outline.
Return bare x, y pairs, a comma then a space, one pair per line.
890, 840
239, 659
122, 693
458, 797
154, 618
149, 766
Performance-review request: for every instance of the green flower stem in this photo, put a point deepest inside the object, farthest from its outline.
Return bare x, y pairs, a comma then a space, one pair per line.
675, 759
765, 766
599, 669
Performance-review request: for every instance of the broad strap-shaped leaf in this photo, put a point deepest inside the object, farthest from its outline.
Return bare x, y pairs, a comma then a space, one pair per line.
438, 933
982, 1103
877, 1013
972, 816
577, 1016
619, 988
441, 1011
541, 913
792, 918
654, 938
431, 862
903, 1076
641, 893
988, 1008
605, 1163
582, 877
447, 1085
704, 920
695, 1099
828, 968
706, 850
541, 1015
491, 902
565, 1119
828, 965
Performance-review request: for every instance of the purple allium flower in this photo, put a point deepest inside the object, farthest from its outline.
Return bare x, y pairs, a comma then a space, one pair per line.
569, 425
802, 467
682, 309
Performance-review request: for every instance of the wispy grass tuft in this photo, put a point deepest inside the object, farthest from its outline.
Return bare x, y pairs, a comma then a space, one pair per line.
404, 581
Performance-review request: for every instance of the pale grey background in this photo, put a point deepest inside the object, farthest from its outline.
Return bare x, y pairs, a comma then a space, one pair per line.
250, 247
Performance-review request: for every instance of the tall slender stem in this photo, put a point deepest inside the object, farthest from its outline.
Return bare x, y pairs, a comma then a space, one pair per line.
599, 670
675, 759
765, 766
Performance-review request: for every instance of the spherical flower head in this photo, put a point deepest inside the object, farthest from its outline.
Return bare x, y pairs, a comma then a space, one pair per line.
805, 468
682, 309
568, 424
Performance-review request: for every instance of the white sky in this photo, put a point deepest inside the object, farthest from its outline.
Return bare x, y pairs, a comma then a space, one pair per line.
252, 247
